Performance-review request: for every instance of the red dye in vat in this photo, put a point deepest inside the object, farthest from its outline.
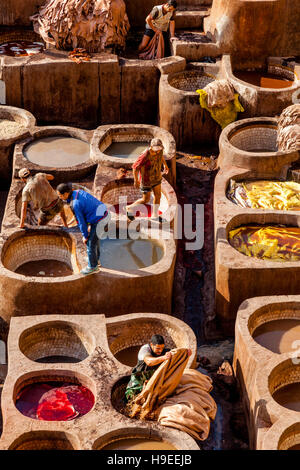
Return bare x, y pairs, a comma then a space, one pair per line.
54, 401
145, 212
21, 48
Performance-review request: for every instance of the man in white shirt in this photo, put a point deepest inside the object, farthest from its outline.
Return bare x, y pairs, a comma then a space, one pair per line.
159, 20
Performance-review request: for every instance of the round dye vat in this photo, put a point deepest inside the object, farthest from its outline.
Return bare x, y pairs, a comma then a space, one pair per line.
289, 396
264, 194
45, 268
128, 356
21, 48
296, 447
138, 444
263, 79
55, 359
126, 149
61, 152
127, 255
54, 401
278, 335
10, 129
267, 242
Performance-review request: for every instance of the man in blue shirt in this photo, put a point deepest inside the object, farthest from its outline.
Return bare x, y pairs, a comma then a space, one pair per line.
92, 217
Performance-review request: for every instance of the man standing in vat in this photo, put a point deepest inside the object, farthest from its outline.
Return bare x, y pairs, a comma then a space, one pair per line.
159, 20
92, 217
147, 174
38, 190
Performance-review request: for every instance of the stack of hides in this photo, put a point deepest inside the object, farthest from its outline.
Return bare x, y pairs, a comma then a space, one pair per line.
177, 398
88, 24
288, 135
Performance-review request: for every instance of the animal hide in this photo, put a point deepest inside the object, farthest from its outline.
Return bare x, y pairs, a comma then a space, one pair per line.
88, 24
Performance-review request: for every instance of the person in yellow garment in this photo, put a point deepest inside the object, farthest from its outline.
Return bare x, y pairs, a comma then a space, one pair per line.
159, 19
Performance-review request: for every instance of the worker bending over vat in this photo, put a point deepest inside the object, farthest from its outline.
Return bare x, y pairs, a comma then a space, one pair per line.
158, 22
150, 357
147, 174
92, 217
38, 190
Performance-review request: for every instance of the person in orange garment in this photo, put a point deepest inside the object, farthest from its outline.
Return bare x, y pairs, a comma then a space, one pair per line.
147, 174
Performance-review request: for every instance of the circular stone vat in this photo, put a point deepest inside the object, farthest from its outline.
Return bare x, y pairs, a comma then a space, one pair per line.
284, 385
255, 138
15, 124
22, 48
126, 338
63, 151
279, 78
57, 341
42, 253
50, 397
137, 443
119, 145
45, 440
179, 109
251, 144
277, 334
20, 43
58, 151
190, 80
290, 438
268, 242
265, 194
145, 438
266, 90
128, 255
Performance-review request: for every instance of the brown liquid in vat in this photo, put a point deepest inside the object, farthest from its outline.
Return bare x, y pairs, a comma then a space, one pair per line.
296, 447
264, 80
60, 152
278, 335
54, 359
126, 149
289, 396
138, 444
128, 356
49, 268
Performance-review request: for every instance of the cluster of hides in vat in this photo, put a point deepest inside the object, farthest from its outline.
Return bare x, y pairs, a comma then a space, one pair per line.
288, 134
276, 243
177, 398
220, 99
261, 194
88, 24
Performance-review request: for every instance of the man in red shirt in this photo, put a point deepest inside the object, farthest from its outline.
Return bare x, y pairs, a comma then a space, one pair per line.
147, 174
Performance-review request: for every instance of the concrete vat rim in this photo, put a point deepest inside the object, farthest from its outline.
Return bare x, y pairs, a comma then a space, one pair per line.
26, 116
52, 131
104, 131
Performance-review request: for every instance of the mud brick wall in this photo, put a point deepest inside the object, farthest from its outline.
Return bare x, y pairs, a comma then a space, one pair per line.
105, 90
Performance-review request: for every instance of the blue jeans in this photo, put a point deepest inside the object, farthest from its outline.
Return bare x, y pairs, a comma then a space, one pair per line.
93, 243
